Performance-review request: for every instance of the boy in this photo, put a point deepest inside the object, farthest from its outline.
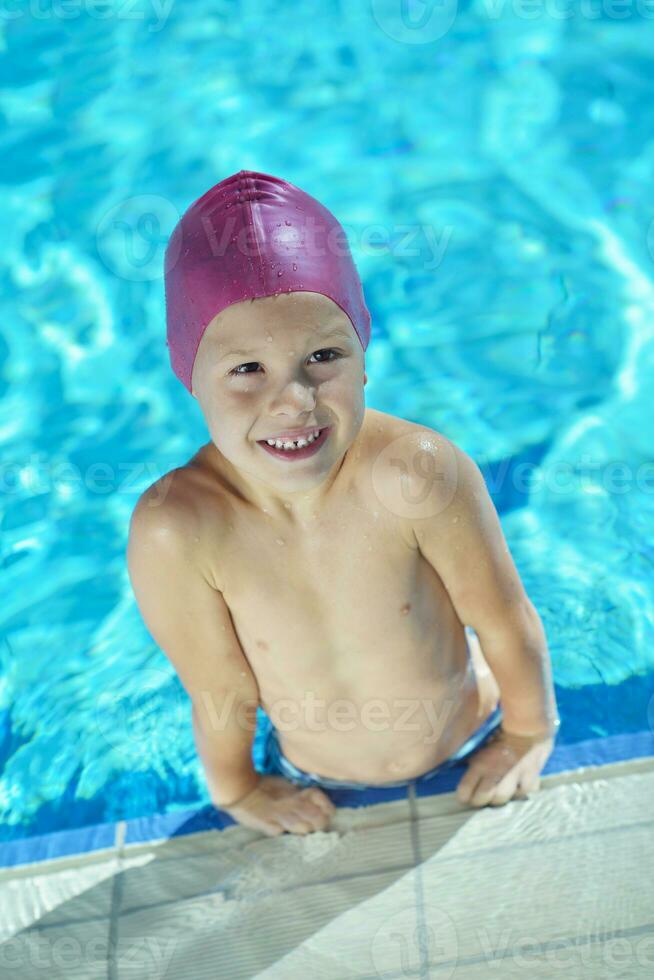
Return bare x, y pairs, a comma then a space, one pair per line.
327, 579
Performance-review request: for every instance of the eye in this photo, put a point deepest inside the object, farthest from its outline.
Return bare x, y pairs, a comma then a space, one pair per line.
237, 369
325, 350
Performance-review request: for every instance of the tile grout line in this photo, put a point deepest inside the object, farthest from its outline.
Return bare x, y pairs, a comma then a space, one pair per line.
116, 896
404, 869
414, 829
119, 836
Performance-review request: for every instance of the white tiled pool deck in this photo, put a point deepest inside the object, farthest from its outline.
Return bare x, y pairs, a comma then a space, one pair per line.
560, 885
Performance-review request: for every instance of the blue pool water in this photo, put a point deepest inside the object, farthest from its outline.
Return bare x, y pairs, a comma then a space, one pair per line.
507, 165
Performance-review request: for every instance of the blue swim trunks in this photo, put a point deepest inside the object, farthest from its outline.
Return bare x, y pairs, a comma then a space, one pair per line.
276, 763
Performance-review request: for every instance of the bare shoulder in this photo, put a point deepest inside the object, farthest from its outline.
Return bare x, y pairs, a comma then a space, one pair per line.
167, 506
389, 427
415, 468
174, 515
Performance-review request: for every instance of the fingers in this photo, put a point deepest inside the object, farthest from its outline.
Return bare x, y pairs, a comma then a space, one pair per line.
477, 790
468, 785
277, 806
300, 822
488, 789
320, 799
272, 829
530, 785
309, 810
294, 823
504, 791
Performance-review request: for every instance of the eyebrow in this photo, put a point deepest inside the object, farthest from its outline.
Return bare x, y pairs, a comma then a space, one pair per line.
336, 332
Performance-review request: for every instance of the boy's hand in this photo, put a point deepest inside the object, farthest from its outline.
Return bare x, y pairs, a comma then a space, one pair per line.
507, 766
276, 805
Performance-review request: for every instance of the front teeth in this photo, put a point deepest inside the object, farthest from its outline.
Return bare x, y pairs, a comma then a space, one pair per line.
298, 444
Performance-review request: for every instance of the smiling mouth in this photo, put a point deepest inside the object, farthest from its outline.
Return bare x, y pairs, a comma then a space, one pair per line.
294, 451
282, 442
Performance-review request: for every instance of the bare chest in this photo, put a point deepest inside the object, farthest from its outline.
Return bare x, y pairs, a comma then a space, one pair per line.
347, 608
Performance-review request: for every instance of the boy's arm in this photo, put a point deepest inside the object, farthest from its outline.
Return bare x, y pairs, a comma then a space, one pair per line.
191, 623
461, 537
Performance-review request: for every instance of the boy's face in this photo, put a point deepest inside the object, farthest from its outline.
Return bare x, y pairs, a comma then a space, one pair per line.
280, 363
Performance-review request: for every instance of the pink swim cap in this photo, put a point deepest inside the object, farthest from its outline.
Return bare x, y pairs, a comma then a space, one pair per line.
253, 235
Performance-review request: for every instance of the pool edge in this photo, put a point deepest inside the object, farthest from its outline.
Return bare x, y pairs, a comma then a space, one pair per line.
127, 836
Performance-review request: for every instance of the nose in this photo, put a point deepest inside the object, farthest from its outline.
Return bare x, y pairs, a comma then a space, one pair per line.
294, 398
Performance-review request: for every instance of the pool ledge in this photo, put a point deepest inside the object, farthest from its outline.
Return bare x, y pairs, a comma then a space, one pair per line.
617, 754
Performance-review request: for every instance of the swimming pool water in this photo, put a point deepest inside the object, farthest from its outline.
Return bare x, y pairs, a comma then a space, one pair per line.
506, 170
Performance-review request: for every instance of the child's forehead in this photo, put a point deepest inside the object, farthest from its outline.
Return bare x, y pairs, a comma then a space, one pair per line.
288, 315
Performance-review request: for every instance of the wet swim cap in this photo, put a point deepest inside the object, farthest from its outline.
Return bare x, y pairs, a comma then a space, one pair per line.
253, 235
